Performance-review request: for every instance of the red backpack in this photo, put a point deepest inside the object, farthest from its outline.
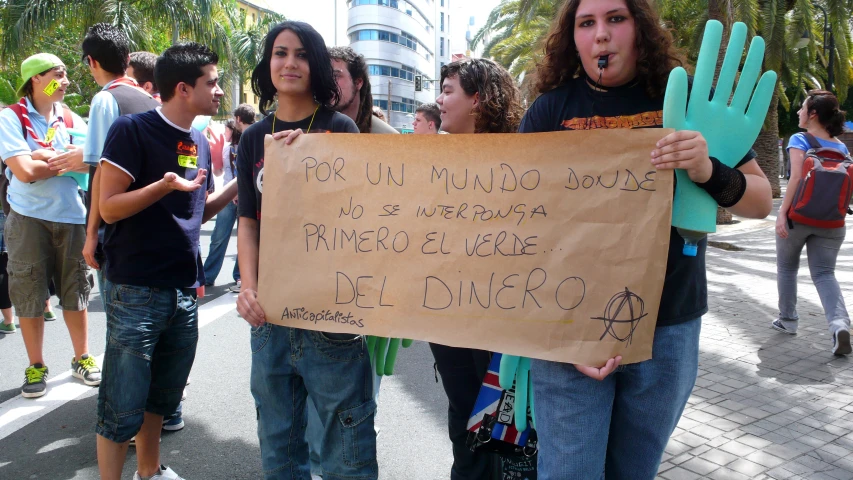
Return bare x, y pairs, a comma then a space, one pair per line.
824, 193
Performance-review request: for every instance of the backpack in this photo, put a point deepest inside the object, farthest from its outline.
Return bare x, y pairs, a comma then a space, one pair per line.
824, 192
67, 118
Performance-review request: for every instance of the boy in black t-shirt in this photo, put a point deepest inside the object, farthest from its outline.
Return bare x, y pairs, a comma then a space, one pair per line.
154, 179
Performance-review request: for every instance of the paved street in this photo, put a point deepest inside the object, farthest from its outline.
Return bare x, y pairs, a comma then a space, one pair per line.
766, 405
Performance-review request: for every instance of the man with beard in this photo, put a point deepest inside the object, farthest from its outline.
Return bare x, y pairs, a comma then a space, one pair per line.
356, 100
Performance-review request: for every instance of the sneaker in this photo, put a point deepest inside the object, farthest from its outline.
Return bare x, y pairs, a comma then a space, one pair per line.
174, 423
236, 287
35, 384
841, 343
7, 328
87, 370
164, 473
49, 316
778, 325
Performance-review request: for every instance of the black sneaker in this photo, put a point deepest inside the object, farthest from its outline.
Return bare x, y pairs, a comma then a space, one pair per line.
841, 343
87, 370
35, 383
778, 325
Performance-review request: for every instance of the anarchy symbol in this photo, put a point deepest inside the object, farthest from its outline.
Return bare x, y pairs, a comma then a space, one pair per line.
624, 308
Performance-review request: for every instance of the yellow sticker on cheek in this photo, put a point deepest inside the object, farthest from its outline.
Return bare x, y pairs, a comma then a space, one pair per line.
51, 87
188, 161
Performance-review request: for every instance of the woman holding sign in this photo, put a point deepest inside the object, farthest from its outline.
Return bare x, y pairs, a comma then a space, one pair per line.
477, 96
607, 59
290, 364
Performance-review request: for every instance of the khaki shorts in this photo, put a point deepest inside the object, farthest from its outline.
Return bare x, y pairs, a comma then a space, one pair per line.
39, 251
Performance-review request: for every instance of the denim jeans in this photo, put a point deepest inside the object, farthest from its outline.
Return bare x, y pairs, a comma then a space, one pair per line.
822, 247
314, 428
219, 244
152, 335
288, 366
616, 428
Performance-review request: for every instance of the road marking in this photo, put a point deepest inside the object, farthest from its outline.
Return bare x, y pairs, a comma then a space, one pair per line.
18, 412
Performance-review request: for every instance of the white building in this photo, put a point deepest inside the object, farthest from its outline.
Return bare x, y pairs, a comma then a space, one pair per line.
401, 39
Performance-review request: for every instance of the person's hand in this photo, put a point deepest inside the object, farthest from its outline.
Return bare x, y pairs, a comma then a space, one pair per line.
249, 308
782, 225
686, 150
181, 184
89, 251
600, 373
288, 135
69, 161
42, 154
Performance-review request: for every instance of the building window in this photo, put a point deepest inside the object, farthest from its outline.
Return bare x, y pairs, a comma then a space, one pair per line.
442, 21
441, 47
405, 105
448, 46
245, 98
403, 38
387, 3
404, 72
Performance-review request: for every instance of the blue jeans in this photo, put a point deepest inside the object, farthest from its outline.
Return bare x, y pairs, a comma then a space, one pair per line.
288, 366
314, 428
219, 244
615, 428
152, 335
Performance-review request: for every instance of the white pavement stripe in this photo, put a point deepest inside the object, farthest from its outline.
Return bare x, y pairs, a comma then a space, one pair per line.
18, 412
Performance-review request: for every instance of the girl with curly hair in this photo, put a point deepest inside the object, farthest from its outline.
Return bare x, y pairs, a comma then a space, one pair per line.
606, 65
477, 96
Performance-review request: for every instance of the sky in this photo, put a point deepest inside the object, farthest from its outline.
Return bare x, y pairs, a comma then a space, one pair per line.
320, 14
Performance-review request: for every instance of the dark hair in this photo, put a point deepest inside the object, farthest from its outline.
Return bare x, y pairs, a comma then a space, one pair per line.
656, 54
500, 109
109, 46
357, 68
235, 134
143, 64
28, 86
431, 112
181, 63
829, 113
246, 113
323, 85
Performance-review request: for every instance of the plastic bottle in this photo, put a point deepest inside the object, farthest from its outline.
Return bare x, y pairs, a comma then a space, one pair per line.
691, 241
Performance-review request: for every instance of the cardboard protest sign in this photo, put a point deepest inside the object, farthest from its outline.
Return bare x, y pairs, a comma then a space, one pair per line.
550, 245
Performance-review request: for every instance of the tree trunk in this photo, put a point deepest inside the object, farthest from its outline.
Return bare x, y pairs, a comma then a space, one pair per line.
767, 146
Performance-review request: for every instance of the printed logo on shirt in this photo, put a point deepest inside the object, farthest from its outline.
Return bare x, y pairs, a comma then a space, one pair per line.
189, 149
640, 120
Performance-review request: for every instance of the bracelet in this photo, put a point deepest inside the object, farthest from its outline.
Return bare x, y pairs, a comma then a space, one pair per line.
727, 185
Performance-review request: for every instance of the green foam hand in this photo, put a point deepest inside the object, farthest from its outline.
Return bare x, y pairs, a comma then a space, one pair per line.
82, 179
383, 352
516, 371
729, 128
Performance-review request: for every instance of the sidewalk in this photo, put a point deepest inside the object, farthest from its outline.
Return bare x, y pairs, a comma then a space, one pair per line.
766, 404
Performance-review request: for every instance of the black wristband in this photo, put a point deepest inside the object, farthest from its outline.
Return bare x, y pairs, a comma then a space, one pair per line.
726, 185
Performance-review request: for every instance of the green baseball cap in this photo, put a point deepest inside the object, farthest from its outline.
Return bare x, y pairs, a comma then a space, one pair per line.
36, 64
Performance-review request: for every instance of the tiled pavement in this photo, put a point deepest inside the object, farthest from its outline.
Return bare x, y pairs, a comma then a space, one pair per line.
766, 404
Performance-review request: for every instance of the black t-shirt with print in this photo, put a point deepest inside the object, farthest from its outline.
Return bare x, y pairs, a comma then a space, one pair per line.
577, 106
250, 153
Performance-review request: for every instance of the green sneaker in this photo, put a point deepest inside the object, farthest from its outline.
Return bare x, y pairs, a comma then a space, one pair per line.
49, 316
7, 328
35, 384
87, 370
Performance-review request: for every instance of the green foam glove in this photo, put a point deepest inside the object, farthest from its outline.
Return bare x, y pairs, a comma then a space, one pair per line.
81, 178
516, 371
383, 352
729, 129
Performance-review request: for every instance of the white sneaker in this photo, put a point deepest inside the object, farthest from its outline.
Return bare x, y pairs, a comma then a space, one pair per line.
165, 473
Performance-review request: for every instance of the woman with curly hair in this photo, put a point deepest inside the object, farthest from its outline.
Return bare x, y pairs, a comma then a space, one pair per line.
477, 96
606, 66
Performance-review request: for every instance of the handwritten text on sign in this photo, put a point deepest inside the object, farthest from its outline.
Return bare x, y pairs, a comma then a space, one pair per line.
548, 245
